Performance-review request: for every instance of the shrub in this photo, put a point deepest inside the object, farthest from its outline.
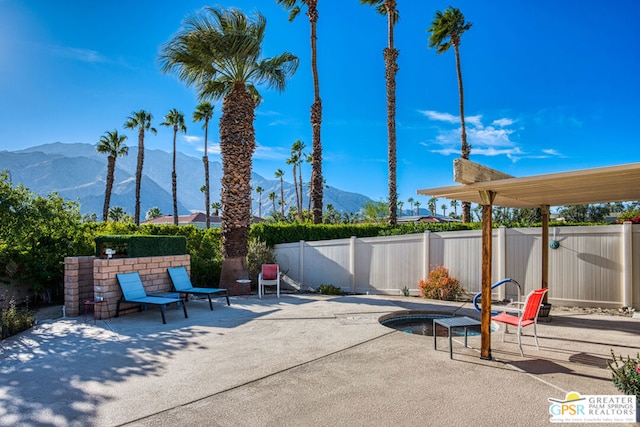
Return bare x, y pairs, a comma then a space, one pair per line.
329, 290
625, 374
14, 320
258, 253
439, 285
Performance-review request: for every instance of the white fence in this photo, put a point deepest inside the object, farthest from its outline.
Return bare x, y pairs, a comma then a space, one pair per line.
593, 266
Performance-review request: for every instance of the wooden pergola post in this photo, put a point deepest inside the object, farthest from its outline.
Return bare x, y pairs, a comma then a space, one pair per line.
485, 313
545, 249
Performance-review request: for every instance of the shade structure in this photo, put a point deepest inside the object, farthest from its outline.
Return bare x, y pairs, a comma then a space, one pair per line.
489, 187
597, 185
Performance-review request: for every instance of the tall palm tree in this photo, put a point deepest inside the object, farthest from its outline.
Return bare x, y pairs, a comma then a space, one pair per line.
141, 120
204, 111
174, 119
410, 200
297, 148
432, 203
272, 196
446, 30
454, 205
444, 209
280, 174
219, 52
293, 6
293, 161
390, 54
417, 204
259, 190
400, 204
113, 146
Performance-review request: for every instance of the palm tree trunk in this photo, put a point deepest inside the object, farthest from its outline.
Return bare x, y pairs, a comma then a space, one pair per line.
139, 173
391, 68
281, 198
316, 119
174, 179
237, 144
295, 187
301, 189
111, 166
466, 148
205, 160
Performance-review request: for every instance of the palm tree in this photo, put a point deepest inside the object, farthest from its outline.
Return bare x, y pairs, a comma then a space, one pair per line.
293, 6
446, 30
432, 203
141, 120
280, 174
259, 190
216, 206
204, 111
219, 51
444, 209
390, 54
272, 196
400, 204
293, 161
174, 119
417, 204
153, 213
117, 214
410, 200
454, 205
113, 146
297, 148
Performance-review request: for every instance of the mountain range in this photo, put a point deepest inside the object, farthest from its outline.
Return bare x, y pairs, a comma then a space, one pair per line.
78, 172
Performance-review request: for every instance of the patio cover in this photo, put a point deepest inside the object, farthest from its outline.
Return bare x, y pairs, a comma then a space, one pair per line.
599, 185
489, 187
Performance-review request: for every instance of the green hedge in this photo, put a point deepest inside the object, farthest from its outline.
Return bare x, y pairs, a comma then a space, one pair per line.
141, 246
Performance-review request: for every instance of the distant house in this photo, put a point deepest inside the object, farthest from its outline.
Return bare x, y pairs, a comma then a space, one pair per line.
197, 219
425, 218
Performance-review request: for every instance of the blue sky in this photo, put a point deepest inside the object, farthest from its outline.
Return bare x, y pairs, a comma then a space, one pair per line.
549, 85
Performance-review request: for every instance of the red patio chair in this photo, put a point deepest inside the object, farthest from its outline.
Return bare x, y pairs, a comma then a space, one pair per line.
526, 316
269, 276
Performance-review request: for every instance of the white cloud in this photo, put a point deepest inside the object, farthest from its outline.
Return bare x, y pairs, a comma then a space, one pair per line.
440, 117
503, 122
492, 140
192, 140
84, 55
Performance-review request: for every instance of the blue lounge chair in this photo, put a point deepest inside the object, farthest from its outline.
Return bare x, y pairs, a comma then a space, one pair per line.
182, 284
133, 293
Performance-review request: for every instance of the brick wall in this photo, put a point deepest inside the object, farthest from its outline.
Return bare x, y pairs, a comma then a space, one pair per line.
103, 282
78, 283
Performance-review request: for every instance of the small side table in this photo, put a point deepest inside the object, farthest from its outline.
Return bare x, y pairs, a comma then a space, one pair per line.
93, 304
242, 283
453, 323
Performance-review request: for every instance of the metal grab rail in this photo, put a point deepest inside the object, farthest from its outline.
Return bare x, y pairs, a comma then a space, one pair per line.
495, 285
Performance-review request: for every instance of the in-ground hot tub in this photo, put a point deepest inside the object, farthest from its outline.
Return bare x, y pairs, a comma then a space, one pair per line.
420, 322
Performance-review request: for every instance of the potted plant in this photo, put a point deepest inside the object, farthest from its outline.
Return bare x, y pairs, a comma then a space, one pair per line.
625, 374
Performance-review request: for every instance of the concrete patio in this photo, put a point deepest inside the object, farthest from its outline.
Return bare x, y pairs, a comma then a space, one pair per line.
301, 360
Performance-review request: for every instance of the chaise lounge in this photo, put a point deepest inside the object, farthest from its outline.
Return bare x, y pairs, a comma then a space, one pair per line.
182, 284
133, 293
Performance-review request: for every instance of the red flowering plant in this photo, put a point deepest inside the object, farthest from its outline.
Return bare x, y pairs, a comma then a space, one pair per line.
439, 285
626, 374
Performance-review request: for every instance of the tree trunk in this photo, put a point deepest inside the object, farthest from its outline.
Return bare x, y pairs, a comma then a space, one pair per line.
174, 179
111, 166
205, 160
316, 120
139, 173
466, 148
237, 144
